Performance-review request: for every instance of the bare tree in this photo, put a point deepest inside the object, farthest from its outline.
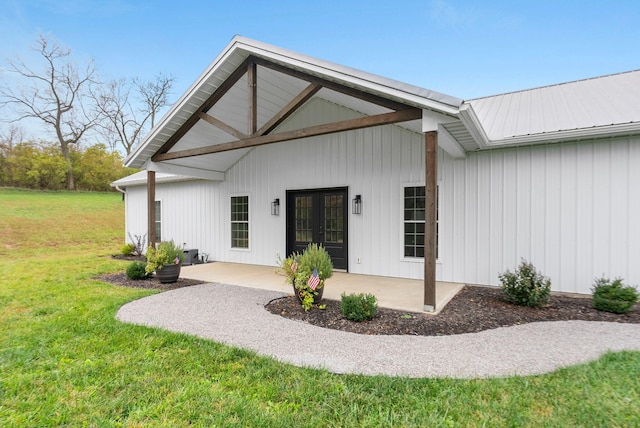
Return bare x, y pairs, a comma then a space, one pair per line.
125, 121
58, 95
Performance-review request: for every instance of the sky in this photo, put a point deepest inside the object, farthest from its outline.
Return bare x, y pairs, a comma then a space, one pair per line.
465, 48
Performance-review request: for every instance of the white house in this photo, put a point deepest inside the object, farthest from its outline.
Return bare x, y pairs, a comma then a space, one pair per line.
270, 149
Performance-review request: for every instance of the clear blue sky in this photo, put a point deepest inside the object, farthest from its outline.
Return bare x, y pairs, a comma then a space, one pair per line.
462, 48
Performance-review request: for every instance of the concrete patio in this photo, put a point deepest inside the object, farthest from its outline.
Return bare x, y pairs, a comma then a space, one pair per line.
394, 293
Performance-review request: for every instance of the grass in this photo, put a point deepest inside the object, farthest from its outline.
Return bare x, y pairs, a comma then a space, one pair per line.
65, 360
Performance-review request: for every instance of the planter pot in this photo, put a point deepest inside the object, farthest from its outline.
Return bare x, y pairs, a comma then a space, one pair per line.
168, 273
316, 298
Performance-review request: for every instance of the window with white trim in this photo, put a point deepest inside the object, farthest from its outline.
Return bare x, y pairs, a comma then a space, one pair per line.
158, 221
414, 219
239, 222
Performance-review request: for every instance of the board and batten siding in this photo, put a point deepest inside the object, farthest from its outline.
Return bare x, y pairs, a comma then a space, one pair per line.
568, 208
375, 163
187, 209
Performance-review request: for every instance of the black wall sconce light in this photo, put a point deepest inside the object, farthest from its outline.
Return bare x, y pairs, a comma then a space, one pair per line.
275, 207
356, 205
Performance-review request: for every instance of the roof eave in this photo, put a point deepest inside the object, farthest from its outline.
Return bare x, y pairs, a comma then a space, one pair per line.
617, 130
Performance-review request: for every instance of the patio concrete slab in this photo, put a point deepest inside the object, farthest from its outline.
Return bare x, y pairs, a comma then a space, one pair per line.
394, 293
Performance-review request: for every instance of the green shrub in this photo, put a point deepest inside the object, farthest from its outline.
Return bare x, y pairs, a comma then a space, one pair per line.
525, 286
128, 249
614, 296
137, 270
359, 307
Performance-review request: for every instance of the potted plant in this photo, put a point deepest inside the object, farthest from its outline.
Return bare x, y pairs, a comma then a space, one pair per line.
165, 261
307, 273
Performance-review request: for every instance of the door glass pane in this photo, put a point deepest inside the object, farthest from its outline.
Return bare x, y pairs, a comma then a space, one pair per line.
333, 219
303, 217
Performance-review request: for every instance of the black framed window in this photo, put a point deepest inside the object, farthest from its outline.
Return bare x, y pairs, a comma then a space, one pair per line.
240, 222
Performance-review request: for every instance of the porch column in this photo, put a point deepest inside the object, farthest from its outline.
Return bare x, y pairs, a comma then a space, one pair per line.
151, 207
430, 212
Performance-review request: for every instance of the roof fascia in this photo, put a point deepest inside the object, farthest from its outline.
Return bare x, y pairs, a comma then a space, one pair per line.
473, 125
184, 170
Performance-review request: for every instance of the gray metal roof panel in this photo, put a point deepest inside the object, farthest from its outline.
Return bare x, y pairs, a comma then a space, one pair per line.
593, 103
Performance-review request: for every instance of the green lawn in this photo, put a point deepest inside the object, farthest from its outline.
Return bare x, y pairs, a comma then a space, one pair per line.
65, 360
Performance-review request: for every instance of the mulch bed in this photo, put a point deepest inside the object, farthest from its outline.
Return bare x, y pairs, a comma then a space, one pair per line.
472, 310
149, 283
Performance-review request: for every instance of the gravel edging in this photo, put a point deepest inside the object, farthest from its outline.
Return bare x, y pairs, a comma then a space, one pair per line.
236, 316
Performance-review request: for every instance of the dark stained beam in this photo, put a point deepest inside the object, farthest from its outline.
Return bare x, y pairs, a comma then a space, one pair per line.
252, 90
290, 108
329, 128
430, 212
221, 125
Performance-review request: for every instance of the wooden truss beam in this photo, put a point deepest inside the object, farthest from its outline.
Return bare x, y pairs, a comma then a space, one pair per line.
221, 125
249, 67
365, 96
290, 108
329, 128
210, 102
252, 102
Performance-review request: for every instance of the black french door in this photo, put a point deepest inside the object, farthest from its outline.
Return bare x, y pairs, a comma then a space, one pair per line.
319, 216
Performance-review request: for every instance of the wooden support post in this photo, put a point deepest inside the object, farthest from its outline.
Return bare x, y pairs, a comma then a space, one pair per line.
151, 208
431, 183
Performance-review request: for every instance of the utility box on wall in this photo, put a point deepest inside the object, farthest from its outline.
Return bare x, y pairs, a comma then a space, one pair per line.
190, 257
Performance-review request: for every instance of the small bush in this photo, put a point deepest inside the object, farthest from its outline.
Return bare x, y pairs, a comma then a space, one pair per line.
137, 270
128, 249
138, 243
525, 286
359, 307
614, 296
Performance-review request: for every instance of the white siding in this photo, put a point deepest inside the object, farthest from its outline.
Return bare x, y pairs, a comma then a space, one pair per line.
374, 162
568, 208
187, 212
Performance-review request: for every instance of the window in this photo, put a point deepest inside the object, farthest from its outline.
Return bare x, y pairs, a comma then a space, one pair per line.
240, 222
414, 216
158, 221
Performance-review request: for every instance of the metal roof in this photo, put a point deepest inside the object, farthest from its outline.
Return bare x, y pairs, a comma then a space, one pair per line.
585, 109
606, 105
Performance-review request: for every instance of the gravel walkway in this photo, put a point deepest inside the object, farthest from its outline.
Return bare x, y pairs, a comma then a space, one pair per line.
236, 316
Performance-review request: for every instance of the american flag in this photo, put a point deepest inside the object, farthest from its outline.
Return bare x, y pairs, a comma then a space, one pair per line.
294, 265
314, 280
